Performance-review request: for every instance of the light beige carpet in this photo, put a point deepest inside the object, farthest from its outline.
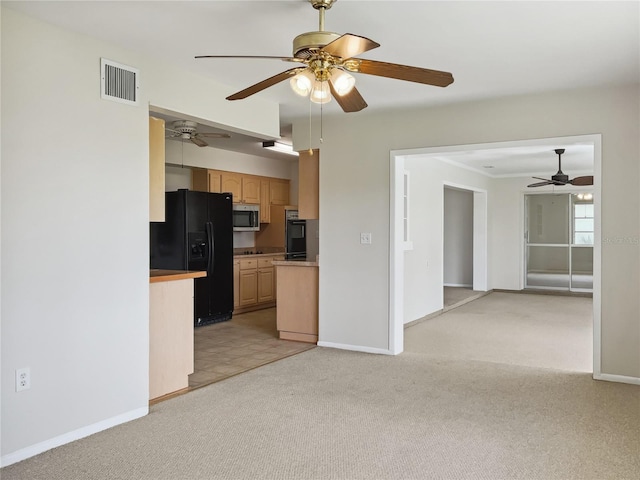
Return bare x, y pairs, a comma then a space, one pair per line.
331, 414
518, 329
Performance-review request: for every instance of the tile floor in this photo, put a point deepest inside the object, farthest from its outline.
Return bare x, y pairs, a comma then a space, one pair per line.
247, 341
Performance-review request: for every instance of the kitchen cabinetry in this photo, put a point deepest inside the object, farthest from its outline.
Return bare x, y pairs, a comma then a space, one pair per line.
254, 189
297, 315
308, 177
170, 330
279, 191
265, 201
232, 183
156, 169
215, 181
248, 282
256, 283
250, 189
236, 284
266, 277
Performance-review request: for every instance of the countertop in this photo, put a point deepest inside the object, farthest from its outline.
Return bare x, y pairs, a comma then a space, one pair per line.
264, 252
156, 275
294, 263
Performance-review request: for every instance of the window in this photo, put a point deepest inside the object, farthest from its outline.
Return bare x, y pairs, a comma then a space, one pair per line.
582, 223
406, 237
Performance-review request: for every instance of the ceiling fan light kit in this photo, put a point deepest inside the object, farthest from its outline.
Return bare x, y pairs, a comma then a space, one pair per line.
328, 60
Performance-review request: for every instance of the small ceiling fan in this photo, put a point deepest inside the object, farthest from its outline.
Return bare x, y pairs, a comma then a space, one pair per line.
326, 59
560, 178
186, 130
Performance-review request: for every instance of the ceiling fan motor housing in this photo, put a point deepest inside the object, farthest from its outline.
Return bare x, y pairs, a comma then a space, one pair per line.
307, 44
185, 127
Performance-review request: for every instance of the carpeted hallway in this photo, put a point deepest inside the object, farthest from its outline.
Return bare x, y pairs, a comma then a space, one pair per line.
331, 414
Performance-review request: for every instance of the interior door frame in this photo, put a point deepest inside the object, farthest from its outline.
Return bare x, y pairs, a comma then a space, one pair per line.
396, 244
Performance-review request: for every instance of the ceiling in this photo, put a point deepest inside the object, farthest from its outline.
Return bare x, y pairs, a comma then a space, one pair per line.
493, 49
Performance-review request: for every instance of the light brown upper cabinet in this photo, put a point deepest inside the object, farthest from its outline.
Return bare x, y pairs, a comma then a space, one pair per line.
250, 189
215, 181
263, 191
279, 191
232, 182
265, 201
309, 185
156, 169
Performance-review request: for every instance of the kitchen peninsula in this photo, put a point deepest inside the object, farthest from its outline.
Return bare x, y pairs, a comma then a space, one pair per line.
170, 330
297, 298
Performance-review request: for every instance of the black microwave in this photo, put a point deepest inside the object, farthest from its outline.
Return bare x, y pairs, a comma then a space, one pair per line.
246, 218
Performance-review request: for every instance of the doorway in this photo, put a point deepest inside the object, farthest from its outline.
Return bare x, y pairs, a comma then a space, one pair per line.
397, 241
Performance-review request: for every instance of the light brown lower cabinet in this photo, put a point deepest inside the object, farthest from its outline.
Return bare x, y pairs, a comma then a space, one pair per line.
255, 286
170, 336
266, 283
297, 314
236, 283
248, 282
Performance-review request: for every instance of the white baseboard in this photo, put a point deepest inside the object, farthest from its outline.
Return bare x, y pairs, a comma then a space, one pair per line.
355, 348
607, 377
69, 437
465, 285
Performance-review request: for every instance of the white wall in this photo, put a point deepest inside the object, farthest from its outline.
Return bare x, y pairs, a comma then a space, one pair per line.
189, 154
458, 237
75, 250
424, 264
354, 197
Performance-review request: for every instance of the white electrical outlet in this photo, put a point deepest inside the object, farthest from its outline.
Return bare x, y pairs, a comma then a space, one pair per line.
23, 379
365, 238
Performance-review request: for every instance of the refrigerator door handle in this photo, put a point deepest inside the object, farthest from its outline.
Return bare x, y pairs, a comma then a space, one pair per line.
210, 262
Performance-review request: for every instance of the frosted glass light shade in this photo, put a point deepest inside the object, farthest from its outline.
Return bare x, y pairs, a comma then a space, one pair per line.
302, 83
343, 83
321, 93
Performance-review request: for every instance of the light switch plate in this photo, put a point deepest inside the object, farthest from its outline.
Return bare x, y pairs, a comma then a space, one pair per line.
365, 238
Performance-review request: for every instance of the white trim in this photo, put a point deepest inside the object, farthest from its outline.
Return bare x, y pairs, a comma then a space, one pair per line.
607, 377
464, 285
396, 256
69, 437
597, 254
356, 348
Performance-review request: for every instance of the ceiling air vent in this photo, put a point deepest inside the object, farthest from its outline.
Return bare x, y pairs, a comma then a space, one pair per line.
118, 82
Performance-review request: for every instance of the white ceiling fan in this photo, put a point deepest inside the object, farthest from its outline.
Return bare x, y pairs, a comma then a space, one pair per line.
187, 130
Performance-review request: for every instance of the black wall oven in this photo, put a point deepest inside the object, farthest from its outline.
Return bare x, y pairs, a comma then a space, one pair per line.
295, 236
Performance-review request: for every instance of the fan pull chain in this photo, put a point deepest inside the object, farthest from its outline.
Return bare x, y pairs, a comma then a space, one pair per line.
321, 134
310, 149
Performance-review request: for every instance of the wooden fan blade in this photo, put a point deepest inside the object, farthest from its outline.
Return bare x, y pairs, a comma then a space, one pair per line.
401, 72
541, 184
350, 102
285, 59
269, 82
582, 181
197, 141
213, 135
349, 45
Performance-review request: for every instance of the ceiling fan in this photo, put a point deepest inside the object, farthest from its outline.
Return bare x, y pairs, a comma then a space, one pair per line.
326, 58
560, 178
186, 130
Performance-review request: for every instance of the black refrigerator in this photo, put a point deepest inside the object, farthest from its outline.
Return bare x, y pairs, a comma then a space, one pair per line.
197, 234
